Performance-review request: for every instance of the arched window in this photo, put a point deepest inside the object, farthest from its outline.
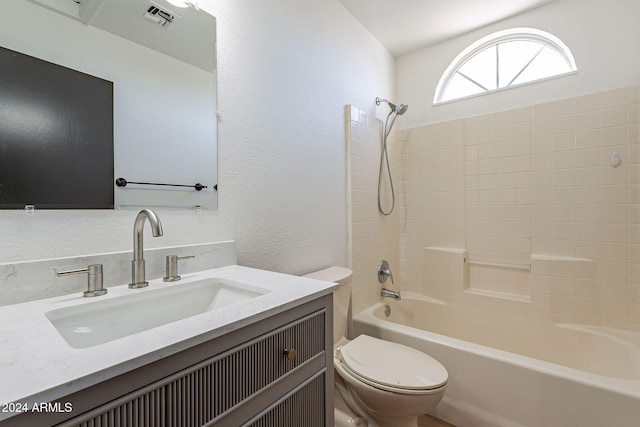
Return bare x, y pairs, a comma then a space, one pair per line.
504, 59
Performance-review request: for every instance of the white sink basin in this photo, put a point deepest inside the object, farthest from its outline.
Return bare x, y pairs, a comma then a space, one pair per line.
99, 322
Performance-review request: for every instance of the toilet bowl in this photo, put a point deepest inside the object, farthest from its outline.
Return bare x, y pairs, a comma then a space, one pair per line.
378, 383
392, 383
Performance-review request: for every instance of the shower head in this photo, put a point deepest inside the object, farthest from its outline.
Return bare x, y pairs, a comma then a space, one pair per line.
398, 109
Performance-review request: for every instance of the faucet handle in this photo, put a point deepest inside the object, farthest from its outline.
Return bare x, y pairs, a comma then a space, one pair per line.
171, 267
384, 272
94, 279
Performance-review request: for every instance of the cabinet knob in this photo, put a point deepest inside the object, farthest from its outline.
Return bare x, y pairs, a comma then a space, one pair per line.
291, 353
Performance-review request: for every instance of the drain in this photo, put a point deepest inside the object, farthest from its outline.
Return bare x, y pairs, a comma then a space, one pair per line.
387, 310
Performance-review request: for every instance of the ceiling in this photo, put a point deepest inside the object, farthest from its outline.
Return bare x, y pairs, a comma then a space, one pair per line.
403, 26
190, 37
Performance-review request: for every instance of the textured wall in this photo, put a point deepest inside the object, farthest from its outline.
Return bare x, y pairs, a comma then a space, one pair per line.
286, 70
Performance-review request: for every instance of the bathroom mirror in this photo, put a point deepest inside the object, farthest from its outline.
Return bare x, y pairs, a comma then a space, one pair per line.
161, 60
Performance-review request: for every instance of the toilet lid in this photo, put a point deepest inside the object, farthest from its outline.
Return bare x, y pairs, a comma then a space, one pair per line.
392, 365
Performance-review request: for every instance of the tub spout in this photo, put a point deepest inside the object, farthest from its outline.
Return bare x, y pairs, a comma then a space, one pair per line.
388, 293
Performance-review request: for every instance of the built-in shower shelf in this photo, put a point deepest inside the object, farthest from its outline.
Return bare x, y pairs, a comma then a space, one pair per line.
505, 279
498, 294
508, 266
512, 278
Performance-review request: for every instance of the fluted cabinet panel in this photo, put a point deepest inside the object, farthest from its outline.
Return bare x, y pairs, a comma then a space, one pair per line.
207, 391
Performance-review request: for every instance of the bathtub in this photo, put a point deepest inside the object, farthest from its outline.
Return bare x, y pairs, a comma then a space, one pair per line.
517, 371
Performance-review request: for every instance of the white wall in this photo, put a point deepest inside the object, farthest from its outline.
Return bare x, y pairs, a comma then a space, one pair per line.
602, 36
286, 70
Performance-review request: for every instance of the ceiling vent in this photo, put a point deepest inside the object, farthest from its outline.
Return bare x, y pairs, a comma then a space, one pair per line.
158, 15
65, 7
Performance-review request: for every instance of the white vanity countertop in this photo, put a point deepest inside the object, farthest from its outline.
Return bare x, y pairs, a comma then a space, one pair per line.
37, 365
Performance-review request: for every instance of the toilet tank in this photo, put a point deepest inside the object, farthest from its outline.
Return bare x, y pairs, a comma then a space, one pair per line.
341, 297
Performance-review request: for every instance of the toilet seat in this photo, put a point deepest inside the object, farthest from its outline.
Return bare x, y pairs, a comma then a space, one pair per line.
392, 367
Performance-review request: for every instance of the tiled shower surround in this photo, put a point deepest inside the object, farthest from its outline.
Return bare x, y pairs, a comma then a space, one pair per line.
372, 236
522, 211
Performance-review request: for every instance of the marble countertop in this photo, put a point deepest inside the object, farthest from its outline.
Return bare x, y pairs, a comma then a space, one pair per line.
37, 365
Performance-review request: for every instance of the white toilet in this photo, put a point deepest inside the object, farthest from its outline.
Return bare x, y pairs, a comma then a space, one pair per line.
378, 383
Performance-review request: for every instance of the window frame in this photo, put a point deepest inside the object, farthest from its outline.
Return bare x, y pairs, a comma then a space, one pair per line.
514, 34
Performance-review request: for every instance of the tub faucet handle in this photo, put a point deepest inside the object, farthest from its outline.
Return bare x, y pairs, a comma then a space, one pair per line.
384, 272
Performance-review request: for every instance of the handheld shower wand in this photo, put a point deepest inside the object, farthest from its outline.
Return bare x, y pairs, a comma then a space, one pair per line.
396, 110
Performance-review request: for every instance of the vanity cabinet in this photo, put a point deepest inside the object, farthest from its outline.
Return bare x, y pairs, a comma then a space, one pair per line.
275, 372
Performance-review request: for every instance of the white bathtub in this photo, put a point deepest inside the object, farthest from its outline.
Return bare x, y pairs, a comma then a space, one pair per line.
509, 371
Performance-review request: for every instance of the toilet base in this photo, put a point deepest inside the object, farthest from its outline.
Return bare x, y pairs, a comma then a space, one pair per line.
403, 416
346, 419
344, 415
383, 408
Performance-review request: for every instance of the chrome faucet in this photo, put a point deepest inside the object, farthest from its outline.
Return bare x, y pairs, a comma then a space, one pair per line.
137, 265
388, 293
